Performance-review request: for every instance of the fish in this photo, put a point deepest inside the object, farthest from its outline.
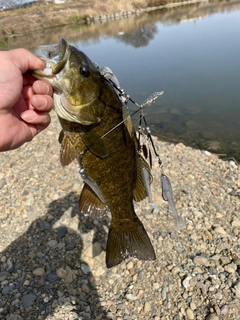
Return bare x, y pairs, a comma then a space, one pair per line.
167, 195
97, 133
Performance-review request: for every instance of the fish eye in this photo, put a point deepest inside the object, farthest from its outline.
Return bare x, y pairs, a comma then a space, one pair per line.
84, 71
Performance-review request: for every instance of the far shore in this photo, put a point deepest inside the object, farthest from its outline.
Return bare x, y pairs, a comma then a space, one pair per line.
40, 16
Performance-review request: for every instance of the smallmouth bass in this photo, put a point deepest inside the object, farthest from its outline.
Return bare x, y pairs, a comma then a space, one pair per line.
111, 167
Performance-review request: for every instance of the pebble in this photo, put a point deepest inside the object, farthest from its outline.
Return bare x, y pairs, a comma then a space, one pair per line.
85, 268
190, 313
61, 232
212, 316
196, 271
70, 275
230, 268
51, 277
186, 282
147, 307
3, 182
131, 296
100, 271
201, 260
28, 300
220, 230
39, 272
52, 243
61, 273
237, 290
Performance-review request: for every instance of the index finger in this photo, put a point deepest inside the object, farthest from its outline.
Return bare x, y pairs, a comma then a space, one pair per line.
25, 60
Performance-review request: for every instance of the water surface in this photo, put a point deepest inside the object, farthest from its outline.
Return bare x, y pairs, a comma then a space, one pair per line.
191, 53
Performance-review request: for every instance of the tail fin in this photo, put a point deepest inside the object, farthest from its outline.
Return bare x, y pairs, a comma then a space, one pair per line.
128, 239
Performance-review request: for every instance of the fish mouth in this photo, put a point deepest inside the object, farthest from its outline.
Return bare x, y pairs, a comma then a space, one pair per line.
55, 56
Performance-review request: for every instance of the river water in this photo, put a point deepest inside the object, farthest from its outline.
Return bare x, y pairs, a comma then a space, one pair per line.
192, 53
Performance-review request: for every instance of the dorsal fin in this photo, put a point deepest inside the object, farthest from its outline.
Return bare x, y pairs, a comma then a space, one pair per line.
90, 205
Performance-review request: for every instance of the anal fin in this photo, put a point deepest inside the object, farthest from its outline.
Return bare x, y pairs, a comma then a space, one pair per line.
90, 205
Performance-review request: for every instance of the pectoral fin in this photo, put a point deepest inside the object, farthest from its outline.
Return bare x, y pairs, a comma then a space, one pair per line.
95, 144
67, 152
90, 205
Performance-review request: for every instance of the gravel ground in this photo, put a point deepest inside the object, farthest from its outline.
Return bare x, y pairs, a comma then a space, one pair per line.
52, 265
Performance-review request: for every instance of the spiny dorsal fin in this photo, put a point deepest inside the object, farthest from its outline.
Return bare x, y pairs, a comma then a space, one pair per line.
128, 239
139, 190
67, 152
90, 205
95, 144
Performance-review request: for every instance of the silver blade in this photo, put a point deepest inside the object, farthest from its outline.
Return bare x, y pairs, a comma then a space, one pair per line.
151, 99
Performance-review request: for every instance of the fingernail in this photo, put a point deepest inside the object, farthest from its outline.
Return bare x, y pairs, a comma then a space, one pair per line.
39, 102
42, 86
26, 116
46, 88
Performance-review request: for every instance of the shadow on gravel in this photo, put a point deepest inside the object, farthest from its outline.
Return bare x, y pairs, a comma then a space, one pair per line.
42, 270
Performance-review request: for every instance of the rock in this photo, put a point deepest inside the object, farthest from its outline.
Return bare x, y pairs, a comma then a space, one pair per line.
52, 243
44, 225
212, 316
100, 271
4, 275
175, 270
131, 297
147, 307
70, 275
70, 246
201, 260
190, 314
7, 290
164, 293
51, 277
61, 232
26, 282
3, 182
61, 273
224, 260
85, 268
235, 223
39, 272
220, 230
186, 281
28, 300
230, 268
237, 290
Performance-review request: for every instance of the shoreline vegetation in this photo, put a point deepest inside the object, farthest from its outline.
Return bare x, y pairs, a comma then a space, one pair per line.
45, 15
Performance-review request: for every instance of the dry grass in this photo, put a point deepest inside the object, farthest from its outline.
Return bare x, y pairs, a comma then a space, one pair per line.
45, 15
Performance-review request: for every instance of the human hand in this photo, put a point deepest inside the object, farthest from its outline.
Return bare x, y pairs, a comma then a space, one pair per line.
25, 102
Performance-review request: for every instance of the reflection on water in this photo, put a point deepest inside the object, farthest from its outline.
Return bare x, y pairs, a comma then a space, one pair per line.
190, 52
